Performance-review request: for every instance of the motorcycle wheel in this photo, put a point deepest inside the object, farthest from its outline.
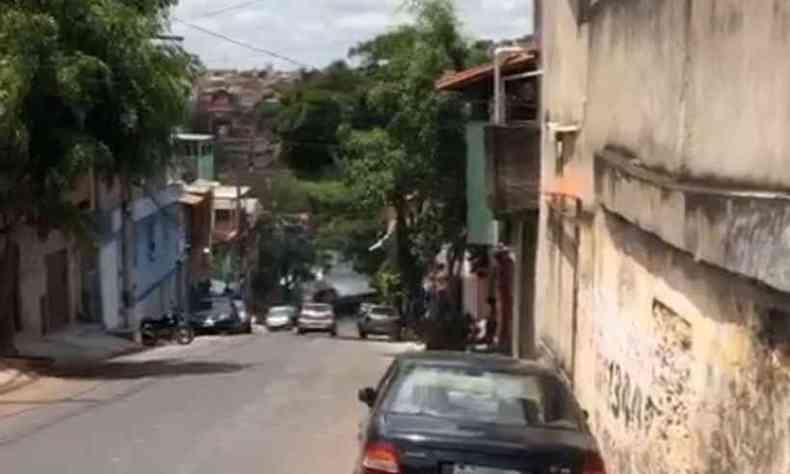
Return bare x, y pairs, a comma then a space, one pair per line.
185, 336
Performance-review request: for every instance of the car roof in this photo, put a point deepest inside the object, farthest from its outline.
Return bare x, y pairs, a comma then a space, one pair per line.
472, 360
214, 299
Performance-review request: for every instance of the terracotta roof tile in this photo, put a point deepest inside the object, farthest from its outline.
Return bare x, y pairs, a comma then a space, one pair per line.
515, 63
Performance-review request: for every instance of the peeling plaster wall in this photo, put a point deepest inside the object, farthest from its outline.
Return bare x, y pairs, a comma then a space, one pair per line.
668, 354
563, 95
694, 87
683, 382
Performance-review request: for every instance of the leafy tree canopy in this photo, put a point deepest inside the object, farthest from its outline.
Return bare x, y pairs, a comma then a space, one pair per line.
415, 161
83, 83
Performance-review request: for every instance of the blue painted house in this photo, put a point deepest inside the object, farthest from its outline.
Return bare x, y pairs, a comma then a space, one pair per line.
157, 253
148, 231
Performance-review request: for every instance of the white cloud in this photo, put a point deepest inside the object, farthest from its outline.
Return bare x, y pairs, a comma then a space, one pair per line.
316, 32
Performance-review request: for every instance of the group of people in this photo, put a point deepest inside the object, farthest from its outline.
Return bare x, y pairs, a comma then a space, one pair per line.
446, 327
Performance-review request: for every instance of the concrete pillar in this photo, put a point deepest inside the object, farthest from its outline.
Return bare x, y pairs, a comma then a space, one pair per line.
526, 346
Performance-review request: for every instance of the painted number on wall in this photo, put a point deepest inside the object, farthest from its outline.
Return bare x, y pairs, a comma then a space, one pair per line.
627, 401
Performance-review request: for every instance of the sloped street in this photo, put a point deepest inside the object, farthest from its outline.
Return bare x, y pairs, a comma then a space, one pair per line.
269, 402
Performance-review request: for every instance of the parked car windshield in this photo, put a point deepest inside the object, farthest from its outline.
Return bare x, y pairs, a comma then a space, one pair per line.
317, 307
383, 311
482, 396
283, 311
215, 305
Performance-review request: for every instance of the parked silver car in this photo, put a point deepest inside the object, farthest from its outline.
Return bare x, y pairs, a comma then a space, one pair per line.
380, 320
317, 317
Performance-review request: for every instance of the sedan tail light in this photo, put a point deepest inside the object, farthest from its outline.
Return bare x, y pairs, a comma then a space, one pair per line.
593, 464
381, 458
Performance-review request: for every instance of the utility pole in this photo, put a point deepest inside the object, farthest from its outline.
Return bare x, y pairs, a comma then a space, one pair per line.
127, 249
239, 216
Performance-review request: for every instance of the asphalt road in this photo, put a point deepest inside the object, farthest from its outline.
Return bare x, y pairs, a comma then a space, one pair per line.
264, 403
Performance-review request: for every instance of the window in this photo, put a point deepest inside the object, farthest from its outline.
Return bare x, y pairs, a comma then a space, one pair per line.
776, 333
482, 396
223, 215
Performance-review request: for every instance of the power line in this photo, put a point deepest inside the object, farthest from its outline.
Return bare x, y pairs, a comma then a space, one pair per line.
243, 44
226, 9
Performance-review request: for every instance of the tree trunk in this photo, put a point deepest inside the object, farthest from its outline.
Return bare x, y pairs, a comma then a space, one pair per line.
406, 261
9, 283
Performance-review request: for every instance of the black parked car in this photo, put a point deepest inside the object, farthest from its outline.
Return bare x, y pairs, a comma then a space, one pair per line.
221, 314
456, 413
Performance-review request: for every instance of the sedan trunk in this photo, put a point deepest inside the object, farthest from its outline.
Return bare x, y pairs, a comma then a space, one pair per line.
448, 447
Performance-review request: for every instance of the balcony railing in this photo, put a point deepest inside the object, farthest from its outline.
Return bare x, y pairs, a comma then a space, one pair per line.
513, 167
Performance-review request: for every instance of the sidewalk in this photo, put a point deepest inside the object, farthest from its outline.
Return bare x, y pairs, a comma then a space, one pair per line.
78, 344
12, 378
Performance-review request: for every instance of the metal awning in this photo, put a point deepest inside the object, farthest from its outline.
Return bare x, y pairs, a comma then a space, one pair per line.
190, 199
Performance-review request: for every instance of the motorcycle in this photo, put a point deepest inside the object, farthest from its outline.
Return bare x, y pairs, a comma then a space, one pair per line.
171, 326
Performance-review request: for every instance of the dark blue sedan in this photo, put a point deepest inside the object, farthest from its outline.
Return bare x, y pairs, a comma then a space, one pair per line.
456, 413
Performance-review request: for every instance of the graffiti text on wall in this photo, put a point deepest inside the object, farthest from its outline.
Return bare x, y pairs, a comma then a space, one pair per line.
628, 402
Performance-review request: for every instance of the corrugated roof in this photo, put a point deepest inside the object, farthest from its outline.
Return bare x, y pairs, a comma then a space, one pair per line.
515, 63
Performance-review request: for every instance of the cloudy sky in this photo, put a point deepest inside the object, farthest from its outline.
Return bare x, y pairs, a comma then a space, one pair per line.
315, 32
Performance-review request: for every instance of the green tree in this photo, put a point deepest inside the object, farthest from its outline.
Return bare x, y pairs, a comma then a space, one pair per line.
286, 259
312, 113
415, 163
83, 84
344, 224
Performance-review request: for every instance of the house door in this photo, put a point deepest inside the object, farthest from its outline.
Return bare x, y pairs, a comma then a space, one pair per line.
57, 314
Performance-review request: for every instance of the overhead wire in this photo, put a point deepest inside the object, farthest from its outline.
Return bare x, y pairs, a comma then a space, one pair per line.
243, 44
226, 9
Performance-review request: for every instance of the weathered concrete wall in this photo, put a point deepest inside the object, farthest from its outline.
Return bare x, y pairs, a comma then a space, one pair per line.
683, 379
676, 359
561, 252
110, 283
33, 276
744, 231
694, 87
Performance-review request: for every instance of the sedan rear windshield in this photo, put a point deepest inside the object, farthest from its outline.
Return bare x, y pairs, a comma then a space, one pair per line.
482, 396
281, 311
215, 304
383, 310
317, 307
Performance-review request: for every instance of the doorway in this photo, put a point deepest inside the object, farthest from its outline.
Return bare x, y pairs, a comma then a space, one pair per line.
57, 301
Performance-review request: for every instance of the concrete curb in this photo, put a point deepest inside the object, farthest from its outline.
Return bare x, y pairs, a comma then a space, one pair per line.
15, 384
25, 364
29, 368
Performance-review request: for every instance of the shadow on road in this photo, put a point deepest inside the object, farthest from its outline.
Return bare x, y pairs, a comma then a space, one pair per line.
152, 368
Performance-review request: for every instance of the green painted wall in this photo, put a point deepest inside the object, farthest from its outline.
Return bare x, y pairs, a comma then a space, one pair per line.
206, 167
480, 220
